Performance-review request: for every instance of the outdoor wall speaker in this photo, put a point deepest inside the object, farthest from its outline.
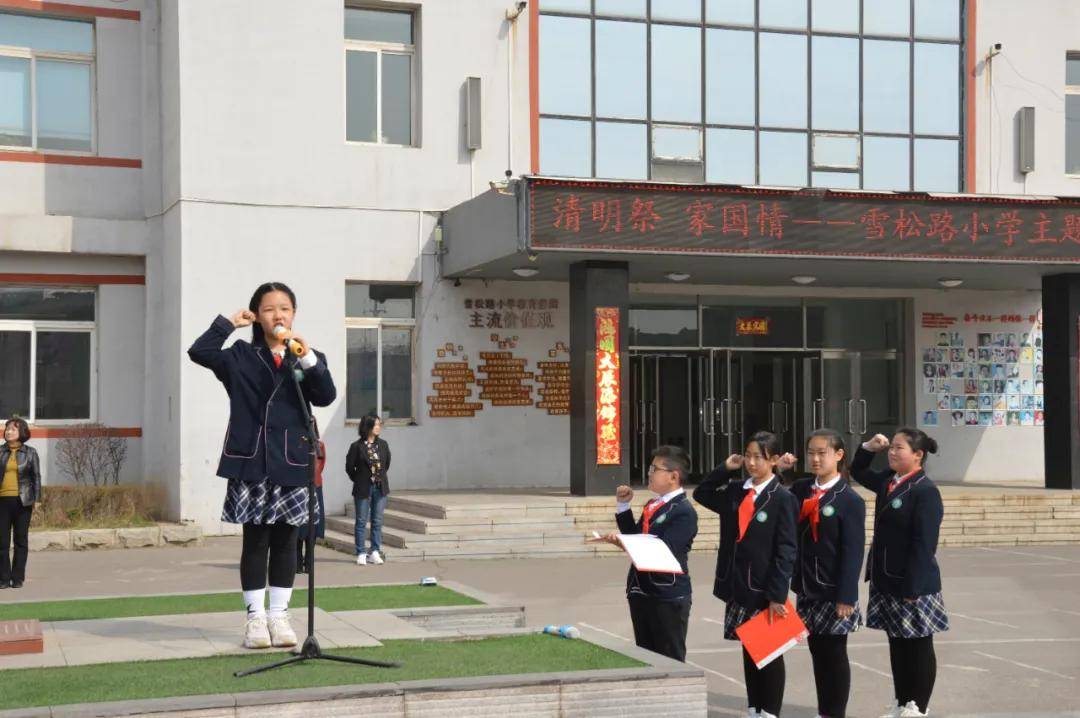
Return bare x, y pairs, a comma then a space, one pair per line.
472, 113
1026, 138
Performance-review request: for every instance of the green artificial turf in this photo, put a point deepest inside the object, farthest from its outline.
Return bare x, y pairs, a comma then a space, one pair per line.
501, 655
348, 598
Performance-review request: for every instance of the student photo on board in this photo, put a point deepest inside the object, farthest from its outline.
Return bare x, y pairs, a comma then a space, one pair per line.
929, 418
985, 340
958, 418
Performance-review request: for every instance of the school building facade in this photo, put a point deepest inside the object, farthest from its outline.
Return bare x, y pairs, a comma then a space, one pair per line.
542, 239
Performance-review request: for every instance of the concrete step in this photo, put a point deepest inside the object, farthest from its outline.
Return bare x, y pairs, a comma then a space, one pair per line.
345, 543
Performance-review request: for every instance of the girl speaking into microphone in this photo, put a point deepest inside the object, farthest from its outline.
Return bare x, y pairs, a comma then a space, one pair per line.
265, 456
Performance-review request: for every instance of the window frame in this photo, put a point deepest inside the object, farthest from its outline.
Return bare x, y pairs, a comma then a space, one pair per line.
1073, 55
32, 327
28, 53
380, 48
912, 38
378, 324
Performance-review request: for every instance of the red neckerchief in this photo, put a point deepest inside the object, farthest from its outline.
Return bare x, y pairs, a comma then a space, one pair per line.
897, 481
646, 515
277, 360
809, 510
746, 512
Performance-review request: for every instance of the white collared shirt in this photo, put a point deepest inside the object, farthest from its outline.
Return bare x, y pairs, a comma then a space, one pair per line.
828, 484
749, 484
621, 506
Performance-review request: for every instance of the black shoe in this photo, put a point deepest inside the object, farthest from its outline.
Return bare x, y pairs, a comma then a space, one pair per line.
300, 569
5, 584
16, 584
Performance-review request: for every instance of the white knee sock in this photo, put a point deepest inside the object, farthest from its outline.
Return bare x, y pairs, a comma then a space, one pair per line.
279, 600
254, 601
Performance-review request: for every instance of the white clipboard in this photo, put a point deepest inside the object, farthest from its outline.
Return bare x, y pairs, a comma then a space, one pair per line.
648, 553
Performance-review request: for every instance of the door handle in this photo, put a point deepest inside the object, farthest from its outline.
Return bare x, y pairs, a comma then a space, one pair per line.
787, 425
816, 406
772, 416
865, 412
725, 407
642, 418
851, 416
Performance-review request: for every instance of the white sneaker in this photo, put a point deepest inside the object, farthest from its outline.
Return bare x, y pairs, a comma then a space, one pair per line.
281, 632
910, 711
256, 633
766, 714
361, 560
891, 711
376, 558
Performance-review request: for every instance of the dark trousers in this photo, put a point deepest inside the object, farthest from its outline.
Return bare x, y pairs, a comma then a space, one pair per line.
276, 542
764, 687
914, 669
660, 626
832, 674
14, 519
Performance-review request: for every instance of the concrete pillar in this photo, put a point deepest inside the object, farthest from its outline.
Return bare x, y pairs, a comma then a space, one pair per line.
1061, 374
592, 285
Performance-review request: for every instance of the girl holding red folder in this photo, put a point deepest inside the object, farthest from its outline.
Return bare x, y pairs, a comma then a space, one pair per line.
832, 537
756, 555
902, 568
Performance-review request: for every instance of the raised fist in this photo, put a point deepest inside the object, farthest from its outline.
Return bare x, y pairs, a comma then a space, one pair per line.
243, 318
624, 494
879, 442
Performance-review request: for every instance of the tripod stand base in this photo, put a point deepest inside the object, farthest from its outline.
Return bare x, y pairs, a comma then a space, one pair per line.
311, 651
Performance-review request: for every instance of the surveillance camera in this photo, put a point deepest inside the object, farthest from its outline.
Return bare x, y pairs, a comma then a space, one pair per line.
997, 47
522, 5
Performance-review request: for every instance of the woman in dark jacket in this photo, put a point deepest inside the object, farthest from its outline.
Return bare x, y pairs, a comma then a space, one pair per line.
20, 492
266, 452
367, 465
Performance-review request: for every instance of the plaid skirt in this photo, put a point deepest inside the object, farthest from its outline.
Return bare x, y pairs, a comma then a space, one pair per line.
734, 616
901, 619
265, 503
821, 619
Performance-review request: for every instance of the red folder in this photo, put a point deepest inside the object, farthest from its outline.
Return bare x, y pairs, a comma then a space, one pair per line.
766, 642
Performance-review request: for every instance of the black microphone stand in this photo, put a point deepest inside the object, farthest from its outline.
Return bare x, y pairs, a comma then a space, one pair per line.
310, 648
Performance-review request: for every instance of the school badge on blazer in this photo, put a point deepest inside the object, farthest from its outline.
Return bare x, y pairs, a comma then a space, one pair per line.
762, 517
828, 511
896, 503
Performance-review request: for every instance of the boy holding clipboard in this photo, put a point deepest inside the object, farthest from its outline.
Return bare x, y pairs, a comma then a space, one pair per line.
660, 602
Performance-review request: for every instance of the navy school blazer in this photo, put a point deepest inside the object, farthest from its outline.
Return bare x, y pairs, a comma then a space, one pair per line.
902, 561
674, 523
266, 436
758, 569
828, 569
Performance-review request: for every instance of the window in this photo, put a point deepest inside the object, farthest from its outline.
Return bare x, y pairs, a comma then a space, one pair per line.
46, 84
380, 332
1072, 113
380, 71
861, 94
47, 341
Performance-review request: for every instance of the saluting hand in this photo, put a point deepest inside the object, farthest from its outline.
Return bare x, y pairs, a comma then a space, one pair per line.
243, 318
879, 442
844, 610
733, 462
624, 494
786, 462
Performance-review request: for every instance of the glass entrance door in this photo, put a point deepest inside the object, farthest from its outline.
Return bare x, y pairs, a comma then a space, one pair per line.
665, 400
861, 396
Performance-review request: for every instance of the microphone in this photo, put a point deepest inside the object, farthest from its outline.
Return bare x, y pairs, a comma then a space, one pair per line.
291, 344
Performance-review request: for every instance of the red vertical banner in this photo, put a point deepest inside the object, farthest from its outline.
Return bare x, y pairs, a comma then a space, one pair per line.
608, 444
